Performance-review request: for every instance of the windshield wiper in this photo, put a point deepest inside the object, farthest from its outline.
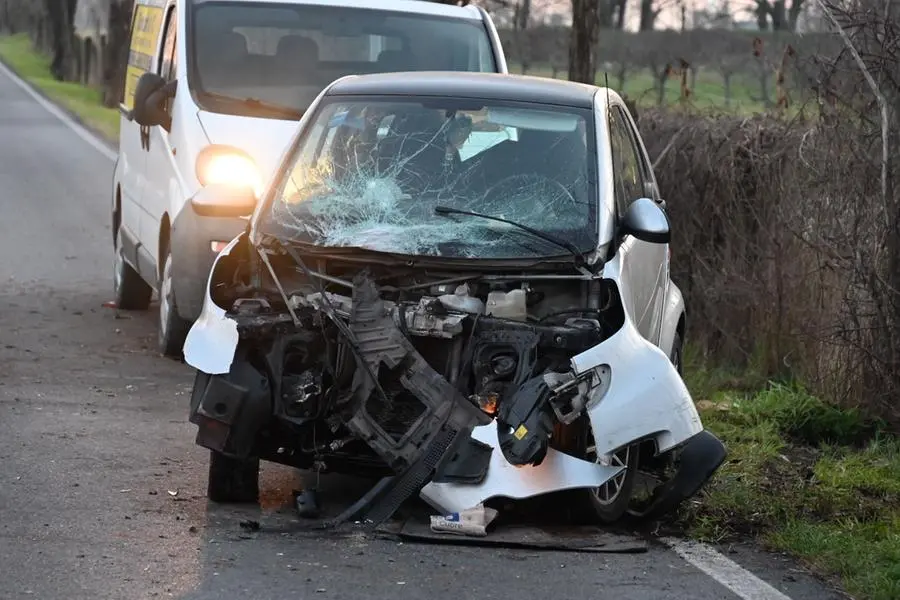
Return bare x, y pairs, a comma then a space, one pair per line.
579, 257
256, 104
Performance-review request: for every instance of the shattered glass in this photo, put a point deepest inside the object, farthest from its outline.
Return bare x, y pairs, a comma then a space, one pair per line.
369, 174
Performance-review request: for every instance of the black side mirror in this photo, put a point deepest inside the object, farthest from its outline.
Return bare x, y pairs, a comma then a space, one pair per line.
646, 221
150, 97
220, 200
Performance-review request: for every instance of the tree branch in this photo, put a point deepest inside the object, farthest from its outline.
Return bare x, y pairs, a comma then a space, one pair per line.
882, 104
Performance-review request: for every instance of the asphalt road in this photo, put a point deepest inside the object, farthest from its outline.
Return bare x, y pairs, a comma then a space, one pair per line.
94, 442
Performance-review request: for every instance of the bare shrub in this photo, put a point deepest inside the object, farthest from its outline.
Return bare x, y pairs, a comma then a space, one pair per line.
773, 224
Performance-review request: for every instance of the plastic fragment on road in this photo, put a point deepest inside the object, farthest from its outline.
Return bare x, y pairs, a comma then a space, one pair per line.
472, 521
307, 503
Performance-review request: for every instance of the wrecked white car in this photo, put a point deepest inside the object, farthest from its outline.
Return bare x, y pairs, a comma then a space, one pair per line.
459, 282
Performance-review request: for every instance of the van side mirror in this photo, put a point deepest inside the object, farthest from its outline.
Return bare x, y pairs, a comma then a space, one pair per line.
646, 221
150, 97
220, 200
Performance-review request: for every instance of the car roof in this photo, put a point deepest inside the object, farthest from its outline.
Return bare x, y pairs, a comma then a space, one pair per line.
458, 84
420, 7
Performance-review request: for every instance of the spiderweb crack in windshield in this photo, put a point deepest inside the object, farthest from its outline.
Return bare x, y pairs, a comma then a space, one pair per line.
381, 193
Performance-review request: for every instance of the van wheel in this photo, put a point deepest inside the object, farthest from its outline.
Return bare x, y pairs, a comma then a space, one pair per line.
231, 480
173, 329
131, 292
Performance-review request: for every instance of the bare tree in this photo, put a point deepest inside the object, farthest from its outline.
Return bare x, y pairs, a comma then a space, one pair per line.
778, 13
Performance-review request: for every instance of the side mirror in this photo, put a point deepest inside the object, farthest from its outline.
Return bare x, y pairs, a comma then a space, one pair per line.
646, 221
225, 201
150, 95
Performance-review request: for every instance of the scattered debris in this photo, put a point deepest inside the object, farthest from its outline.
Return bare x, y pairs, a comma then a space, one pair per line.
250, 525
566, 538
472, 521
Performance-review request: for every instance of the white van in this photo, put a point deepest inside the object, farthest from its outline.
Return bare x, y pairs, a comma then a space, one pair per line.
213, 93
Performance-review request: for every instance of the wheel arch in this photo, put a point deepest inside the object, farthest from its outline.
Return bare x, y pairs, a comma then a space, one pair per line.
165, 236
116, 213
674, 319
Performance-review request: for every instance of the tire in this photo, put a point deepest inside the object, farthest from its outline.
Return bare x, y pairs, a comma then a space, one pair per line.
130, 290
670, 460
601, 505
173, 329
677, 354
232, 481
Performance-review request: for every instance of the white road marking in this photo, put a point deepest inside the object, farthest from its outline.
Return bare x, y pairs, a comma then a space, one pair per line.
729, 574
60, 114
738, 580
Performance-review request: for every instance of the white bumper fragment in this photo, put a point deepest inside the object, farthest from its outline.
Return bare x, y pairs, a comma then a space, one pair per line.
645, 399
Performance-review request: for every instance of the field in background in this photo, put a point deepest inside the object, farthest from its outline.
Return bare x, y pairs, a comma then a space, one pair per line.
707, 92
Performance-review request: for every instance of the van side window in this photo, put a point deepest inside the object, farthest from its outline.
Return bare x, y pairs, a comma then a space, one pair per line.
125, 89
167, 54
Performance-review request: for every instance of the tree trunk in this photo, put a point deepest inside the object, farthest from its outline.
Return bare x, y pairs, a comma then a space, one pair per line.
777, 11
794, 14
621, 5
60, 14
726, 77
116, 52
522, 14
648, 16
586, 19
762, 14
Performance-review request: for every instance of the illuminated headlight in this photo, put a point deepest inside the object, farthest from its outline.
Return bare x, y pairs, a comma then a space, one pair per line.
226, 165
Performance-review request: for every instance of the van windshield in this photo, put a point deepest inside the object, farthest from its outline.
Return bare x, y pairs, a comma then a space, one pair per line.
273, 59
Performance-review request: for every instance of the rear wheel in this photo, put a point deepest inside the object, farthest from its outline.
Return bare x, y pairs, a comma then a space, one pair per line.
231, 480
173, 329
677, 354
131, 292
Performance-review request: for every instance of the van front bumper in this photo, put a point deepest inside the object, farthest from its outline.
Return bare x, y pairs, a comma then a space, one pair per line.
194, 240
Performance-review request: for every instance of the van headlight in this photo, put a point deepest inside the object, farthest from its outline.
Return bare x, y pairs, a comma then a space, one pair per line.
220, 164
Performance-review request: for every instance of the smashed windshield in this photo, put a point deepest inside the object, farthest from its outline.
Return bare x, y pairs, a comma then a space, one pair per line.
283, 55
369, 174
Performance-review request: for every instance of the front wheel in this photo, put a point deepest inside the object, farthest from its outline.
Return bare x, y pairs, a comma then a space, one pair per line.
609, 502
131, 291
173, 329
232, 480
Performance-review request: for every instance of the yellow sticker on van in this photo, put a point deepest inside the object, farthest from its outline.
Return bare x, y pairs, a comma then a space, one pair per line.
148, 21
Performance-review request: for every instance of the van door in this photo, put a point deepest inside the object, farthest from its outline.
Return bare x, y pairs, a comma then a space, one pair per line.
146, 25
160, 168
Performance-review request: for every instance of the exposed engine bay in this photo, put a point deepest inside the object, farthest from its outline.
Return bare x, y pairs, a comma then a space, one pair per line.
423, 374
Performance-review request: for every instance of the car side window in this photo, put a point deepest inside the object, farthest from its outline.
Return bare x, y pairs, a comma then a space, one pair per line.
167, 57
627, 174
644, 168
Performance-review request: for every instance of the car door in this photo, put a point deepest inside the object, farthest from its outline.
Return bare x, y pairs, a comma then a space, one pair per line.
642, 263
160, 166
660, 251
